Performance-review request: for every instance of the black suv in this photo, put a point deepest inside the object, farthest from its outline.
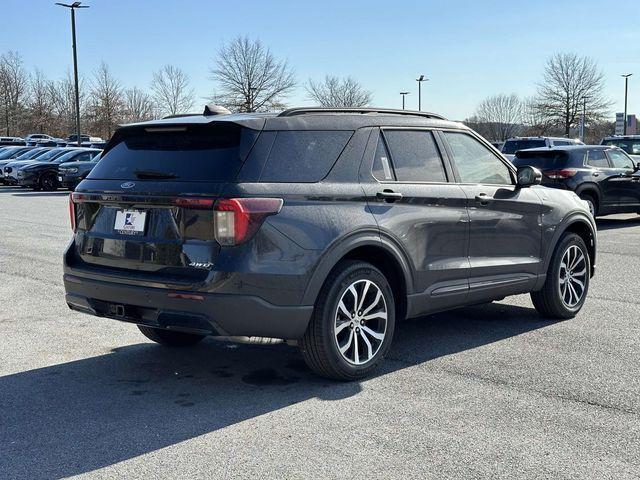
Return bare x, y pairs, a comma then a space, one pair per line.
603, 176
320, 227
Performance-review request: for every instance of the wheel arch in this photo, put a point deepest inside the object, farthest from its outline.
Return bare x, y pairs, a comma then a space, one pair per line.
370, 247
579, 224
590, 189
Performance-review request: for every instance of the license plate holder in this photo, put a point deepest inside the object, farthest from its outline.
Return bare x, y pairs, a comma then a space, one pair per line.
130, 222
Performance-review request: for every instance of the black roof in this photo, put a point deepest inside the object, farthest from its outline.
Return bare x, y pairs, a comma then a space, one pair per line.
313, 118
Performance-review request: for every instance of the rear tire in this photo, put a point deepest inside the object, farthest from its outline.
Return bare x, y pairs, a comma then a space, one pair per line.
562, 295
352, 324
170, 338
593, 203
48, 182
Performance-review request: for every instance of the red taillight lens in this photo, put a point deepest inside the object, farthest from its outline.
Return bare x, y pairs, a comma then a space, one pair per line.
560, 174
72, 212
236, 220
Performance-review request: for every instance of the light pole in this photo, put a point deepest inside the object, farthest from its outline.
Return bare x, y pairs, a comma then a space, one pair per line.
584, 118
404, 94
420, 79
626, 91
73, 7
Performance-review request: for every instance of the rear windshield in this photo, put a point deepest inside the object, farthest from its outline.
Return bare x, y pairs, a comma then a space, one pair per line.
542, 160
197, 153
512, 146
632, 147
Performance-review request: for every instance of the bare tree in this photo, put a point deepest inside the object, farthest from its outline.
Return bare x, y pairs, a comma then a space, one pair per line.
13, 87
39, 115
139, 106
568, 79
106, 102
172, 90
338, 93
249, 78
62, 97
500, 116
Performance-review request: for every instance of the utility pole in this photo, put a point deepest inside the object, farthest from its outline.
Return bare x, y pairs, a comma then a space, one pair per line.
73, 7
404, 94
626, 92
420, 79
584, 118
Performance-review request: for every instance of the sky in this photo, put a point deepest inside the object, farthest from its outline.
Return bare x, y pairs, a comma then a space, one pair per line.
468, 49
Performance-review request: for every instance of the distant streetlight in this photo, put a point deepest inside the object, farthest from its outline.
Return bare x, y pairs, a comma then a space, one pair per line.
420, 79
404, 94
584, 118
73, 7
626, 91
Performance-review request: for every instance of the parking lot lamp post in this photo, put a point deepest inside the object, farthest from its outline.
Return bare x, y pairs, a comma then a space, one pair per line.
420, 79
73, 7
584, 118
404, 94
626, 91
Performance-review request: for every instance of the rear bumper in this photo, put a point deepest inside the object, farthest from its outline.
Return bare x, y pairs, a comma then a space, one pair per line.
210, 314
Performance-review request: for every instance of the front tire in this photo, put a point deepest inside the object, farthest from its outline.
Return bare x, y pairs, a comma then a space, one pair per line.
48, 182
170, 338
352, 324
567, 284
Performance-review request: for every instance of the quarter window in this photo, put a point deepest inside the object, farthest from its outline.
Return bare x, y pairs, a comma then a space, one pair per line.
475, 162
381, 163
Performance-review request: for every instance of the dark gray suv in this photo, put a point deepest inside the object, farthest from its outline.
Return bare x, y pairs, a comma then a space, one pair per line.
320, 227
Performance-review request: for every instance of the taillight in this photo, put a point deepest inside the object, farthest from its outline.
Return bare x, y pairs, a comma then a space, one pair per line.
236, 220
560, 174
72, 212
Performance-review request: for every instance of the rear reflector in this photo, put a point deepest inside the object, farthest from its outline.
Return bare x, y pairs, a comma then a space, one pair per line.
186, 296
236, 220
560, 174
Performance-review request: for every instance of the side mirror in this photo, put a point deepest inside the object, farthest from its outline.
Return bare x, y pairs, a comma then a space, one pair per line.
637, 167
528, 176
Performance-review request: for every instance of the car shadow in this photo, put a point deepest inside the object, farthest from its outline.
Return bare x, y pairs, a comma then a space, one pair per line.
612, 223
77, 417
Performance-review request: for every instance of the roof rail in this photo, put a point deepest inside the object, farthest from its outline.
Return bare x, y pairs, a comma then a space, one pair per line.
291, 112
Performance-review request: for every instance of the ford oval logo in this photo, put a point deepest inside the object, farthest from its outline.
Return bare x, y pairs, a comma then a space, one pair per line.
128, 185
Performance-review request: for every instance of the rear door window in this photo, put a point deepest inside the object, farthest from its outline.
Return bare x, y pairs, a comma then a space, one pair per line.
597, 158
303, 155
196, 153
620, 160
415, 156
512, 146
475, 162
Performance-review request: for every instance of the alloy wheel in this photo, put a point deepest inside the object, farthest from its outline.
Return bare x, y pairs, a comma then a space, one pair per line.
573, 276
360, 322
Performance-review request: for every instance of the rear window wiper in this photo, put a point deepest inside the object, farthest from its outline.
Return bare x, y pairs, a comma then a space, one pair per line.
151, 174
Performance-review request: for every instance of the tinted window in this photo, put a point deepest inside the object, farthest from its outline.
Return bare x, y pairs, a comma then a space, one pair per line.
512, 146
563, 142
542, 160
303, 156
475, 162
195, 153
415, 156
632, 147
597, 158
381, 165
620, 160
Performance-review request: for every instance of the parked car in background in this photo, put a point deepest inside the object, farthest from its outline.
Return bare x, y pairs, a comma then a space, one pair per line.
603, 176
514, 144
10, 170
99, 145
85, 140
323, 227
629, 143
71, 174
12, 141
34, 138
26, 157
498, 145
44, 175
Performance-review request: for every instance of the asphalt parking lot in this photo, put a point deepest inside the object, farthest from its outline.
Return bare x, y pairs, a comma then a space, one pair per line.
487, 391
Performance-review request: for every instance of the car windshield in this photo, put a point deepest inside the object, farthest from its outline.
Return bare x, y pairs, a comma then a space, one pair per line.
9, 152
31, 154
69, 156
512, 146
50, 155
630, 146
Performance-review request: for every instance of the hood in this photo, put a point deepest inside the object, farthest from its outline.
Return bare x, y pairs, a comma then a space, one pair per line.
33, 165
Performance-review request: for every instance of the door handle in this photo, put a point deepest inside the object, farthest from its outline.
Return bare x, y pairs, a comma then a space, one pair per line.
389, 195
483, 199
